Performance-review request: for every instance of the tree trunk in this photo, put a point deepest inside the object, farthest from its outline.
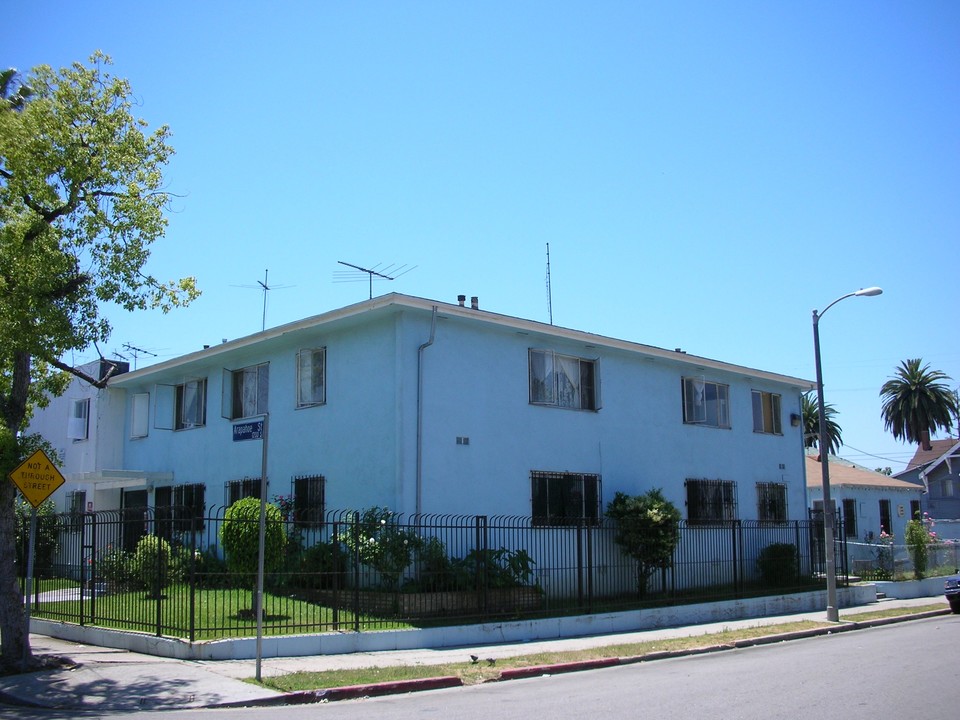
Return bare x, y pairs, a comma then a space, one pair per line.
14, 635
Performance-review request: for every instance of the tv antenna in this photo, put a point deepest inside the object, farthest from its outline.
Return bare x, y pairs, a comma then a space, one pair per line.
390, 272
266, 288
135, 352
549, 289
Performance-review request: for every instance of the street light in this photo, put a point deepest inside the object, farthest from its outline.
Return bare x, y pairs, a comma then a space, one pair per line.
833, 614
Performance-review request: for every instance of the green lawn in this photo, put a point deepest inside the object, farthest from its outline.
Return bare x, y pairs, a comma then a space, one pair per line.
219, 613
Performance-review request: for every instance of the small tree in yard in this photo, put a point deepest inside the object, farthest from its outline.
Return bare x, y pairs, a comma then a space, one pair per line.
648, 530
240, 538
917, 538
380, 543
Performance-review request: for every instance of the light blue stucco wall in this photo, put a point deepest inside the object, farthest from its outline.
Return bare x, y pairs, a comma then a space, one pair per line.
364, 439
476, 386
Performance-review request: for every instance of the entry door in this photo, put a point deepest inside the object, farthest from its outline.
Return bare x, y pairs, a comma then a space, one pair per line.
134, 504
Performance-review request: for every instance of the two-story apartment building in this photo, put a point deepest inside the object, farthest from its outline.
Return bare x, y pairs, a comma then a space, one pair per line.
429, 407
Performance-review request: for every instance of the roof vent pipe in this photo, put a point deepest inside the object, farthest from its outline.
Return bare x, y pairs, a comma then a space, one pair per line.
461, 299
475, 303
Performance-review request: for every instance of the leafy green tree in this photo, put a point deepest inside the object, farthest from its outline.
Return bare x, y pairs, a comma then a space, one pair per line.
810, 413
240, 538
82, 199
648, 530
152, 563
917, 402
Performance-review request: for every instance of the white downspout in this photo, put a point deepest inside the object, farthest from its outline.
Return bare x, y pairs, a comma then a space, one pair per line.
428, 343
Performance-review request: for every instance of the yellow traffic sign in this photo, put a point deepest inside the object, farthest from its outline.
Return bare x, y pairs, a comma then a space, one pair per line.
37, 477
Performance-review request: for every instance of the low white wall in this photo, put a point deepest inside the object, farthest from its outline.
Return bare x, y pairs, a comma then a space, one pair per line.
456, 635
908, 589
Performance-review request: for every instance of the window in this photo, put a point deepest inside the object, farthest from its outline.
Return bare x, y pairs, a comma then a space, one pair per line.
766, 413
711, 501
885, 516
240, 489
248, 391
140, 415
180, 508
565, 498
850, 517
308, 499
706, 403
311, 377
76, 506
562, 380
915, 513
948, 490
78, 425
772, 502
191, 405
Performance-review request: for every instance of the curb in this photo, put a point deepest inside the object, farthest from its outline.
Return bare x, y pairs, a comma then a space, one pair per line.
351, 692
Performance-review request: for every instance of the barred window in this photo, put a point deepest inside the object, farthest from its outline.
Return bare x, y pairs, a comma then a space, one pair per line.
76, 506
565, 498
240, 489
179, 508
711, 501
850, 516
772, 502
308, 491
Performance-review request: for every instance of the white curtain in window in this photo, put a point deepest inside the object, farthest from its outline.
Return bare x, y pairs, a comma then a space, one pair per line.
568, 381
542, 383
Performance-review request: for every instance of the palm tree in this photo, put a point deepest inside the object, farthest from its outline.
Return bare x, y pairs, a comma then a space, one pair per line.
811, 424
917, 402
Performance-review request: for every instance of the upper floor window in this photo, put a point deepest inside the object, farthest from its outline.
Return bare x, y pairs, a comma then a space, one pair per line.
140, 415
311, 377
190, 405
766, 413
249, 390
561, 498
563, 380
771, 502
706, 403
78, 425
711, 501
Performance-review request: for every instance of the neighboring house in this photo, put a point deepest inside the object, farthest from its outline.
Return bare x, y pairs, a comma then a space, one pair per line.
868, 502
937, 470
428, 407
77, 424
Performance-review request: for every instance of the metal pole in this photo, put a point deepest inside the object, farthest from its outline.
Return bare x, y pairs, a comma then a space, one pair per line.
261, 546
828, 550
28, 588
828, 513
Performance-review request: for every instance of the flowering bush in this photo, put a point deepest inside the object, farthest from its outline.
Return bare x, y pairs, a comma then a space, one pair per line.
917, 537
884, 570
379, 542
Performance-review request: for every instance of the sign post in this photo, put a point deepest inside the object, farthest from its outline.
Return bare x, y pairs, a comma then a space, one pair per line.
37, 478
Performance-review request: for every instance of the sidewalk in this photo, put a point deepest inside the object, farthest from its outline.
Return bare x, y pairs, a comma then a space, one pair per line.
116, 680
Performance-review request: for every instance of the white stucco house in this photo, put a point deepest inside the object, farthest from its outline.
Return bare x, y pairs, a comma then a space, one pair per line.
431, 407
868, 502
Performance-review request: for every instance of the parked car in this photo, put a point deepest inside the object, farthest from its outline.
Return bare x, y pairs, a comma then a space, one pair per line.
951, 588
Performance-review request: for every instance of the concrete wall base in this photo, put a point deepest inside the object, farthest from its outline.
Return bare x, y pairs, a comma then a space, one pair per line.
457, 635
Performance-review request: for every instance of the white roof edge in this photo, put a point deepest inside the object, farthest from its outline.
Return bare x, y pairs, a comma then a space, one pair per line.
943, 458
520, 324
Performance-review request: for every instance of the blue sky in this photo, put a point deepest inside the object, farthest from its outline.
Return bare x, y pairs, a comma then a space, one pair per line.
705, 173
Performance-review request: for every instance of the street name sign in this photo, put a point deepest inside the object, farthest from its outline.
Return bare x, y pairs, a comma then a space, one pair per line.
37, 477
248, 431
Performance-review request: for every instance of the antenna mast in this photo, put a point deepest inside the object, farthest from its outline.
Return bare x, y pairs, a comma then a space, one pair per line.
390, 272
135, 352
549, 289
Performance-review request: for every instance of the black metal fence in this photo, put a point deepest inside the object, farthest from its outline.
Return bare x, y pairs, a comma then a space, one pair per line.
171, 575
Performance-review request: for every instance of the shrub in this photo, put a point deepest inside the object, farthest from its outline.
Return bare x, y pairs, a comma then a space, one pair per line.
240, 538
323, 566
918, 538
648, 530
115, 567
778, 565
151, 564
379, 543
47, 540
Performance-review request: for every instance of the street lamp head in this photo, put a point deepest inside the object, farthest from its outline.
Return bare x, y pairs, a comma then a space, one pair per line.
869, 292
